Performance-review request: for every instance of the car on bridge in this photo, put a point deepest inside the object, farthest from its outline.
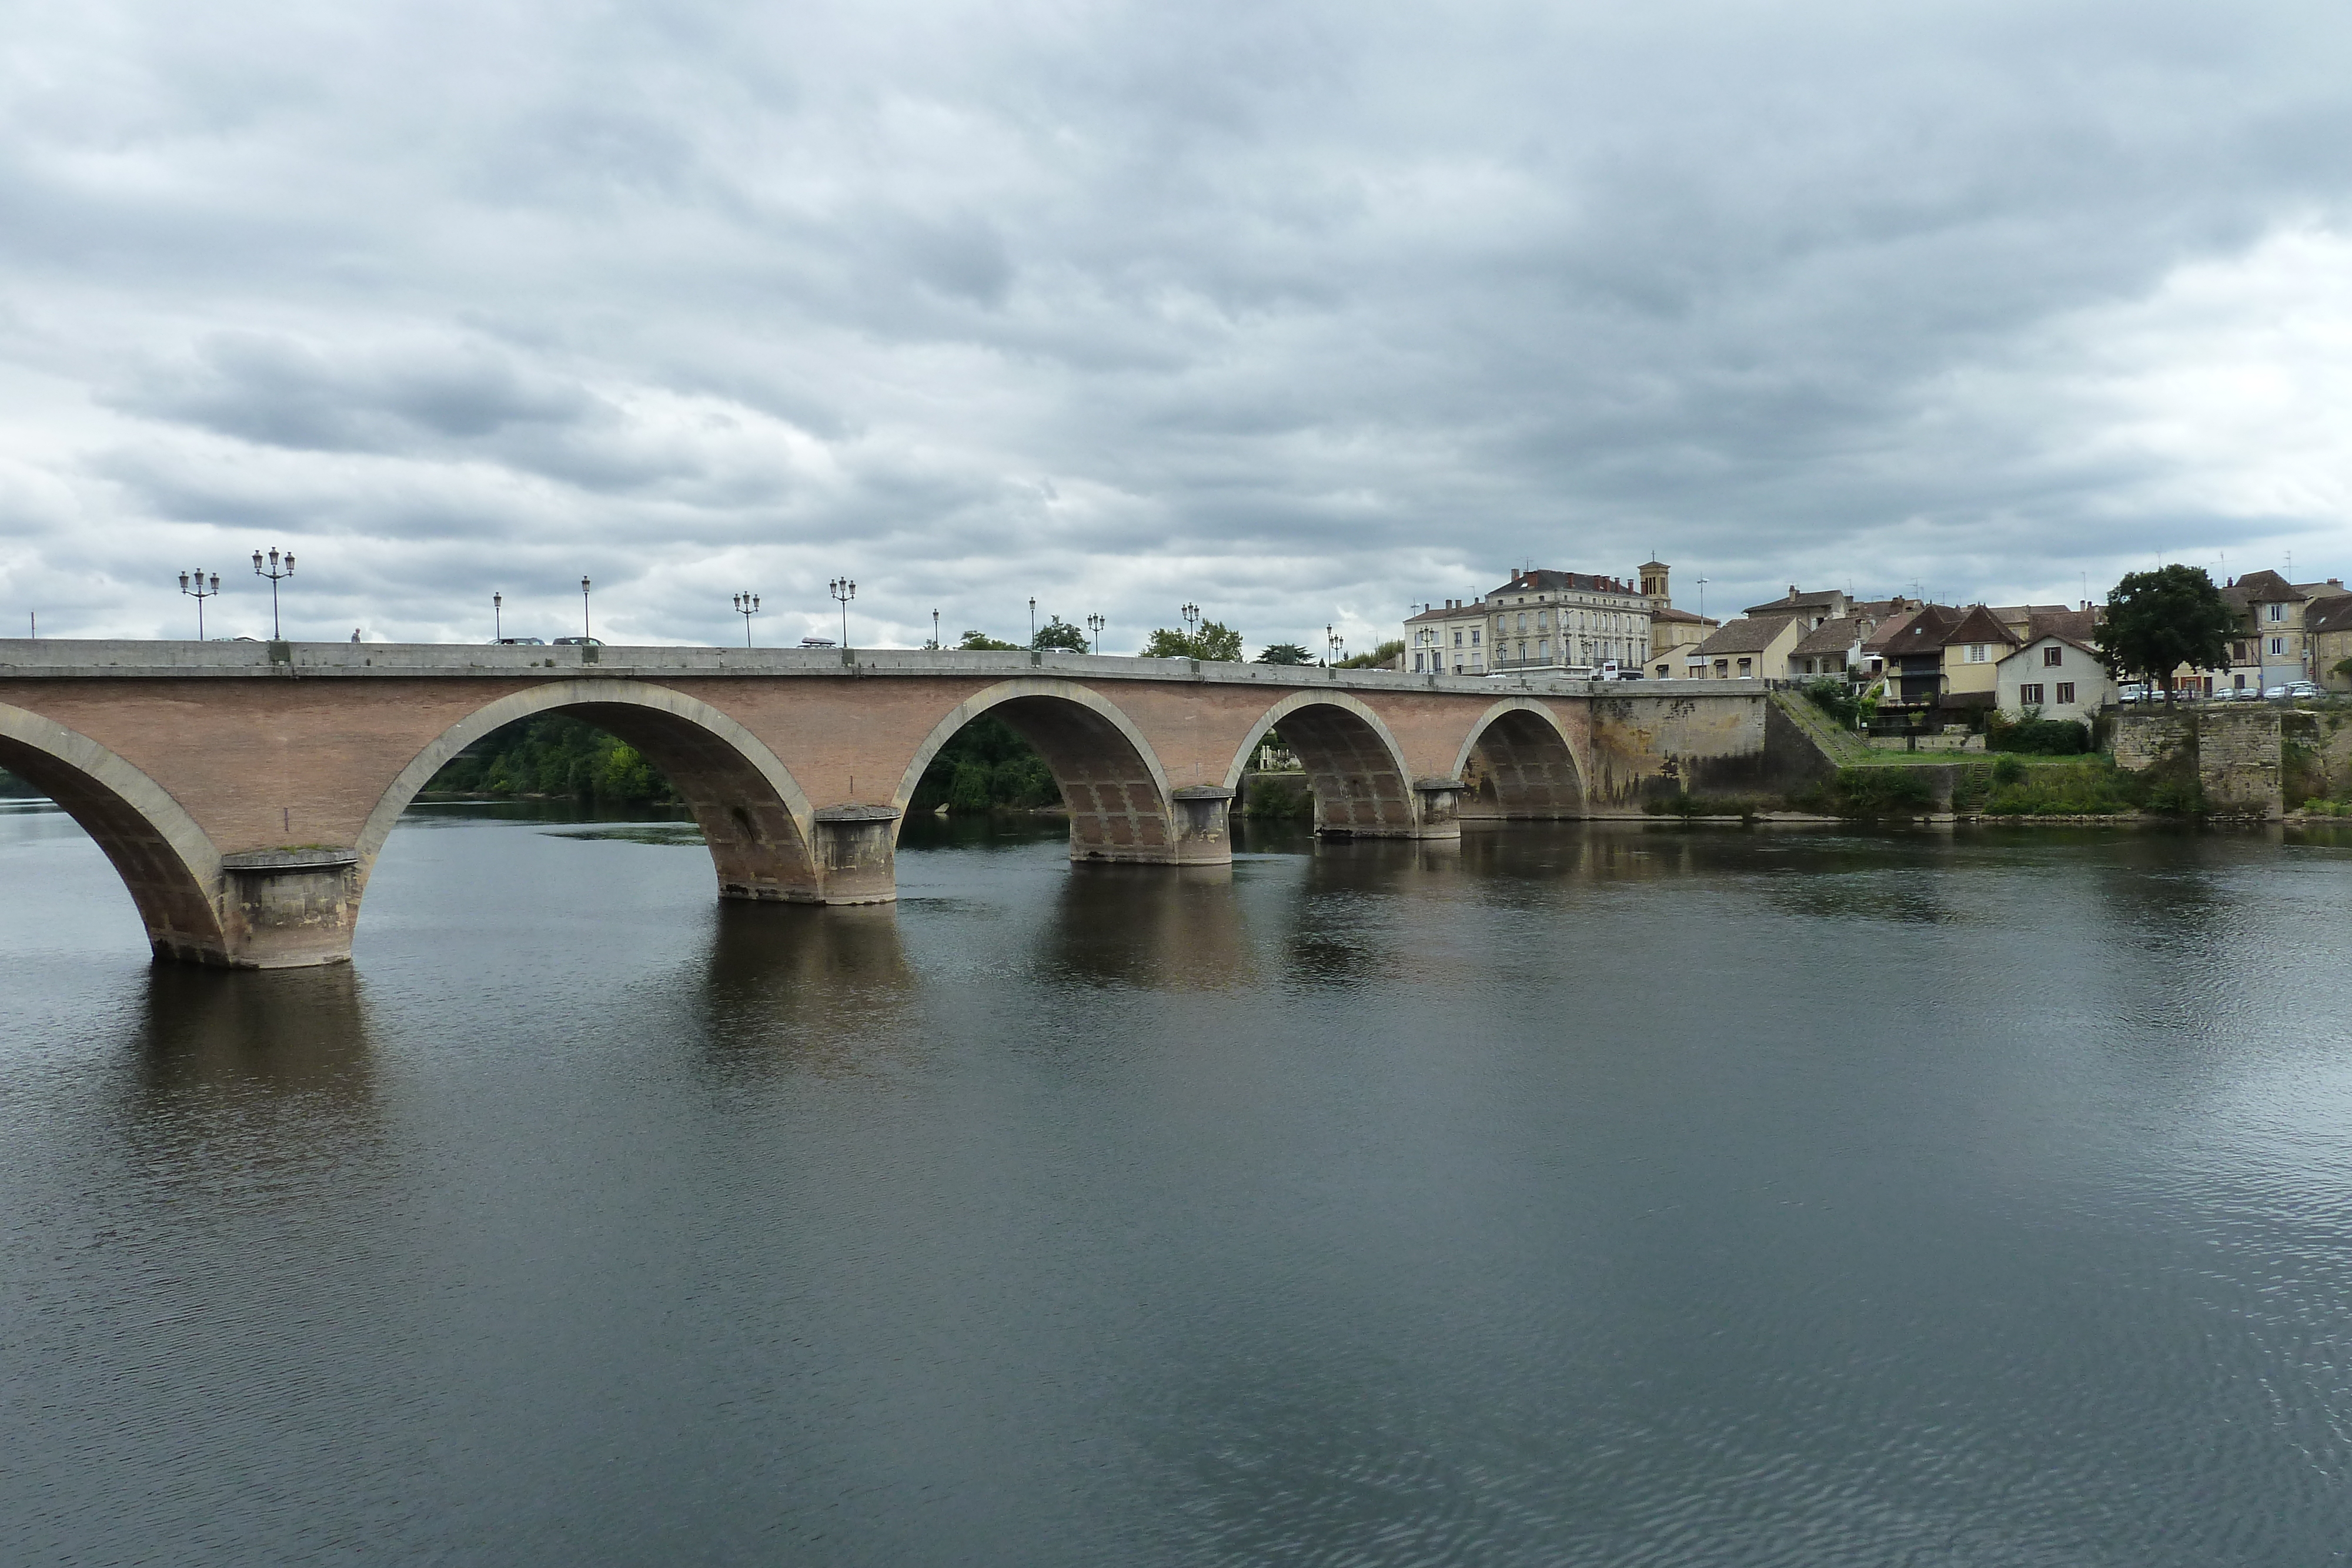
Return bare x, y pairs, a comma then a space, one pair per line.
578, 642
522, 642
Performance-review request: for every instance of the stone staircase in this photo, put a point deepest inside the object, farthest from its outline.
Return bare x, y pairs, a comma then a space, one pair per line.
1841, 745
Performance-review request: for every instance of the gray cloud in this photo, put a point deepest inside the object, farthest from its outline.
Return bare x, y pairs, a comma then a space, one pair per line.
1305, 313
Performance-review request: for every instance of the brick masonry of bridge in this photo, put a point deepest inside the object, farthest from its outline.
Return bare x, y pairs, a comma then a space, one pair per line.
243, 789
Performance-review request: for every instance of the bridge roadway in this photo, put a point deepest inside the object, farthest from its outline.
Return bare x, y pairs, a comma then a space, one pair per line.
243, 789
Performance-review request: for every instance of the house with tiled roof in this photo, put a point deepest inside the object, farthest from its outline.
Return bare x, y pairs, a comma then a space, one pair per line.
2327, 624
1750, 648
2054, 676
1832, 648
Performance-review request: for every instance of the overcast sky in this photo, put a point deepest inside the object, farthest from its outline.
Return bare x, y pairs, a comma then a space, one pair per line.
1305, 313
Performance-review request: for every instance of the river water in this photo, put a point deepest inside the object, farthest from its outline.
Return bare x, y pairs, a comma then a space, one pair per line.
1607, 1195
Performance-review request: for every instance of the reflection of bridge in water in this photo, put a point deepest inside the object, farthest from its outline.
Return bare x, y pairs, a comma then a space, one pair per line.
244, 790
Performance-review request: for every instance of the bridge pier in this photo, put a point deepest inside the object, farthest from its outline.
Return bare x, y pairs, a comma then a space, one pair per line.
1202, 818
1441, 801
857, 853
289, 908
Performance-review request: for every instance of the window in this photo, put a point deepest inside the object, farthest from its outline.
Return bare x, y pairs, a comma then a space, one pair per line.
1416, 663
1457, 639
2065, 694
1523, 619
1543, 647
2278, 613
2030, 695
2241, 683
2052, 657
1976, 652
1473, 636
2278, 645
1722, 668
1746, 665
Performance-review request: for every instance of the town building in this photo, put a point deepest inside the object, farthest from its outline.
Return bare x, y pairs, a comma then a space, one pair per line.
1751, 648
2328, 623
1672, 632
2054, 676
1544, 622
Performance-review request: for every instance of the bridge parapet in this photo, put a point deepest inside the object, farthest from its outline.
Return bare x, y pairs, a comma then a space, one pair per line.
124, 659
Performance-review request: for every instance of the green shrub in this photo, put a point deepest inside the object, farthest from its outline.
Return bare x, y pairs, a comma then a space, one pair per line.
2039, 737
2093, 787
1883, 792
1836, 698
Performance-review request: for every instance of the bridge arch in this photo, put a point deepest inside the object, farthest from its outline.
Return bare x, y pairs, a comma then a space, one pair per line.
1353, 763
752, 813
1519, 766
168, 863
1111, 778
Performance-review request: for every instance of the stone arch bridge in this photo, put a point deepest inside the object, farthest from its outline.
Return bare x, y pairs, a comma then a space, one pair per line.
243, 789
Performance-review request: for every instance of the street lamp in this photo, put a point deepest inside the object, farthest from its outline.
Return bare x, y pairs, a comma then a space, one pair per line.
747, 605
275, 577
1095, 625
1192, 614
583, 609
200, 593
1032, 621
935, 631
1333, 643
843, 591
497, 608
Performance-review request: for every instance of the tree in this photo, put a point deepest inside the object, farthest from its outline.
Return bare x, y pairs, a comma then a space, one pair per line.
1284, 653
1059, 634
981, 643
2158, 620
1214, 639
1379, 658
2343, 668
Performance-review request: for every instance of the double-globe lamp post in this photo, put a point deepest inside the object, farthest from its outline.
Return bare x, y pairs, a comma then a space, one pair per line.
1095, 625
275, 577
843, 591
200, 593
747, 605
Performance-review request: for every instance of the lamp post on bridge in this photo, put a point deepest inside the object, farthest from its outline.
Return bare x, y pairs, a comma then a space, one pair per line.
1334, 646
275, 577
583, 609
935, 631
747, 605
497, 608
1095, 625
200, 593
1032, 621
843, 591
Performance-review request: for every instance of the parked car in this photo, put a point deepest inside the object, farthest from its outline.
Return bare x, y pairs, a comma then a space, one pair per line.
2135, 692
579, 641
522, 642
2276, 693
2301, 689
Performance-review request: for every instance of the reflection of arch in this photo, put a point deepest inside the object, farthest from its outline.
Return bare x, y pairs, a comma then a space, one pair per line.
1109, 778
751, 810
1528, 769
1353, 763
166, 861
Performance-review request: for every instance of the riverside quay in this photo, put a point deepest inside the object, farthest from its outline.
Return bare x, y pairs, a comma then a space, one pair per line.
243, 789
